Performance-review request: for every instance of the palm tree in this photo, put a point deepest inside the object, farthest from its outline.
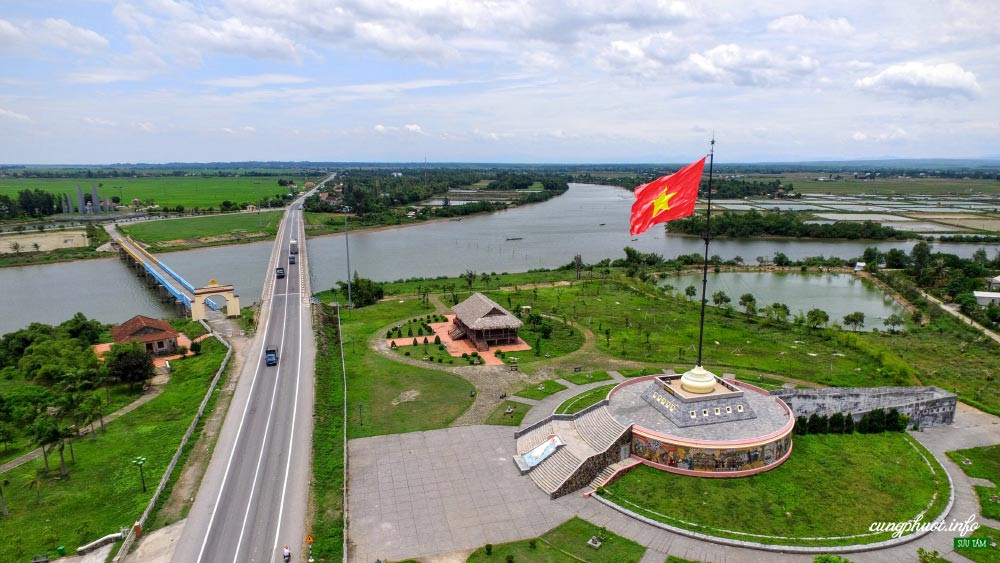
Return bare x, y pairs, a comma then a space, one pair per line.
35, 246
15, 247
44, 432
93, 410
36, 482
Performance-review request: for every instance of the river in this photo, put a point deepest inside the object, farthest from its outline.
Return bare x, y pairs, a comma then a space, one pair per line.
588, 220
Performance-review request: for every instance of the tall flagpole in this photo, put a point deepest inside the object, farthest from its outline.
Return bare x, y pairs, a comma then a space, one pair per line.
708, 235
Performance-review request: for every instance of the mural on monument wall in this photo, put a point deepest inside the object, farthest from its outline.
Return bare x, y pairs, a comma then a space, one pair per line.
709, 459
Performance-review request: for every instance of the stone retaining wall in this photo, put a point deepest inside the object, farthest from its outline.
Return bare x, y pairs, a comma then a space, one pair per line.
928, 406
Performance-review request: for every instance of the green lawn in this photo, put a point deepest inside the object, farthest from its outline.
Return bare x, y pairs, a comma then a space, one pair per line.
832, 485
584, 378
189, 191
985, 464
631, 324
541, 390
388, 397
806, 183
579, 402
190, 229
501, 417
990, 555
328, 444
639, 372
103, 490
566, 543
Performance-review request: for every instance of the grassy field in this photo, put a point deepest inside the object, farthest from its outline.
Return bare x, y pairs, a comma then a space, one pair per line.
191, 231
103, 490
985, 464
541, 390
832, 485
583, 400
951, 355
584, 378
388, 397
328, 444
566, 543
631, 324
807, 183
189, 191
945, 352
501, 417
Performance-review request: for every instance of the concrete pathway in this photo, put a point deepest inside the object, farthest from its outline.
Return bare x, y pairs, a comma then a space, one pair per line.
431, 494
954, 310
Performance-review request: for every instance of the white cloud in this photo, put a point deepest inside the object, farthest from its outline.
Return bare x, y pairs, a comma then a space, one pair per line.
8, 114
922, 80
144, 126
414, 128
234, 37
391, 129
745, 67
892, 134
50, 33
798, 23
646, 56
245, 130
98, 121
256, 80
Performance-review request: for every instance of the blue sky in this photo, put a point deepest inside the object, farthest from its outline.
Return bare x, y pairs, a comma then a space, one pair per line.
103, 81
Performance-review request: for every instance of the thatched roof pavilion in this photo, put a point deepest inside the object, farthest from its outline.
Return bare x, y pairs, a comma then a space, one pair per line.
484, 322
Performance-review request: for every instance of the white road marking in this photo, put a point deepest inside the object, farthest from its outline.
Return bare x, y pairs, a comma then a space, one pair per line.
239, 430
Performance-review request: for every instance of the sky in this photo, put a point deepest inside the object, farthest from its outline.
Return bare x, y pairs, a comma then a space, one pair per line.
528, 81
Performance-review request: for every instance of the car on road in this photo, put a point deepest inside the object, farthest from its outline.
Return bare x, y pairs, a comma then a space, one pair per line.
271, 356
279, 272
291, 259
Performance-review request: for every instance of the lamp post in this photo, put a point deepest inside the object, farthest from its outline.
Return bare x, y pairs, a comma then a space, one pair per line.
139, 461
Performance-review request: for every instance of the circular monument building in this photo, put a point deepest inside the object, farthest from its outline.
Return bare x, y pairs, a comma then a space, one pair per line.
694, 424
700, 424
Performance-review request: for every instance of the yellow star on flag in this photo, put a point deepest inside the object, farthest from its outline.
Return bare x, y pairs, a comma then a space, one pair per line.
662, 202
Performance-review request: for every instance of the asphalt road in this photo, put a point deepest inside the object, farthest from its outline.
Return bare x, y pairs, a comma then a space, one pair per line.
253, 498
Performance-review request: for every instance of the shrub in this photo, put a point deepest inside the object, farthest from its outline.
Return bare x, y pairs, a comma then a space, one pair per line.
409, 331
532, 543
182, 350
196, 347
425, 340
407, 352
509, 558
801, 425
389, 334
489, 549
848, 423
465, 354
437, 339
392, 344
414, 341
475, 354
440, 360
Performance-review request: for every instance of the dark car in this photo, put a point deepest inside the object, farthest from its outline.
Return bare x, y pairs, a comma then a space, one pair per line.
279, 273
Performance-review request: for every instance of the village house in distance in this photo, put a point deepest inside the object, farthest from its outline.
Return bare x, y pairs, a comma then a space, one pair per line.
484, 323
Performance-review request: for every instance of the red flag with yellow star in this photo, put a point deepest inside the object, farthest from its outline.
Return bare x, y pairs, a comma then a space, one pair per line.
666, 198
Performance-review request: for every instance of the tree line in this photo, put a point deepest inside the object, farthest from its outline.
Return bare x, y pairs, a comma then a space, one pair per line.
784, 224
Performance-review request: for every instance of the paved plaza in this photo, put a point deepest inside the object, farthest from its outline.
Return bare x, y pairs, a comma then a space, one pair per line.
430, 494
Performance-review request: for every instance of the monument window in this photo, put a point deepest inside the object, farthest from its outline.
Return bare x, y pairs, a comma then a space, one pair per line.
717, 411
739, 408
694, 414
704, 412
729, 410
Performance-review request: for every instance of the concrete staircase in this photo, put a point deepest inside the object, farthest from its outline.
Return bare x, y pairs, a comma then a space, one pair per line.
556, 468
534, 438
605, 476
599, 429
